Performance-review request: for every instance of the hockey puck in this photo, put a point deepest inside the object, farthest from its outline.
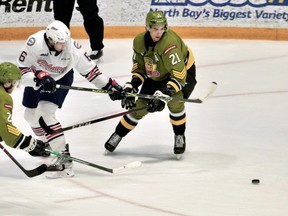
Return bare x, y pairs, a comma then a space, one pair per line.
255, 181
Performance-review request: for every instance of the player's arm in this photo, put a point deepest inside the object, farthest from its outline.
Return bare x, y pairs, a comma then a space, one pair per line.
15, 138
9, 133
138, 78
175, 64
25, 62
92, 73
138, 70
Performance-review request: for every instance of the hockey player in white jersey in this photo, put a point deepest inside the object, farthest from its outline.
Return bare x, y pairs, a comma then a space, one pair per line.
48, 58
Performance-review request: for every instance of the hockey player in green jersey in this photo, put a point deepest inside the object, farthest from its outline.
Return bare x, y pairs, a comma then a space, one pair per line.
9, 78
163, 65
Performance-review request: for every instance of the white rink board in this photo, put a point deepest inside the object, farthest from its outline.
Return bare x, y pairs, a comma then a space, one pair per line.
197, 13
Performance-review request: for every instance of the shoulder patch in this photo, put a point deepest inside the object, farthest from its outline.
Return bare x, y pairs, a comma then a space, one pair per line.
31, 41
169, 49
9, 106
77, 45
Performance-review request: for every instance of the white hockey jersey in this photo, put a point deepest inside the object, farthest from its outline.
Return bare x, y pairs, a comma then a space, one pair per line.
35, 56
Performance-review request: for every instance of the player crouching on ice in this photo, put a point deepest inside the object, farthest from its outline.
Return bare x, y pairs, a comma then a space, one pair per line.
49, 58
163, 65
9, 78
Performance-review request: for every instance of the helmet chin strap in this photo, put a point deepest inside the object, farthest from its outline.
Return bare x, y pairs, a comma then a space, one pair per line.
51, 44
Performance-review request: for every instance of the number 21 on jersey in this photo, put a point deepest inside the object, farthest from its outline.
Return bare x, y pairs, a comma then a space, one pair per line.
174, 58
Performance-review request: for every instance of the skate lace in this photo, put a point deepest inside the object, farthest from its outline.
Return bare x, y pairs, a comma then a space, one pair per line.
114, 140
179, 141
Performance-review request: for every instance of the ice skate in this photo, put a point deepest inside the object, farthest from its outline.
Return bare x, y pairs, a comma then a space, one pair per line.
179, 146
112, 143
97, 56
61, 167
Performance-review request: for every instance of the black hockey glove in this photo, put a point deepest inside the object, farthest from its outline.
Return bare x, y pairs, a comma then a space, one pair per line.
34, 147
115, 90
128, 102
157, 105
168, 90
44, 79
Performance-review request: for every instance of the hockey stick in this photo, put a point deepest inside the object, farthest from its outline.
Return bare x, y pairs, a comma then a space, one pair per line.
58, 86
30, 173
201, 99
126, 167
51, 131
211, 89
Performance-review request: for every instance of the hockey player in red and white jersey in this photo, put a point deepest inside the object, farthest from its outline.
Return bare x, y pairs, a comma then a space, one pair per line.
49, 57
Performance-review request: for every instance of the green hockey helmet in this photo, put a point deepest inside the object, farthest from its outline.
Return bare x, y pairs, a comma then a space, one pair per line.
9, 72
155, 18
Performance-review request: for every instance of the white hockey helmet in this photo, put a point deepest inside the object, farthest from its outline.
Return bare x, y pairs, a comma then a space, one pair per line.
57, 31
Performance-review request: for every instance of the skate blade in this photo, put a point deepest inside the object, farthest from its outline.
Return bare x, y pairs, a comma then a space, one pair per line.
60, 174
106, 152
178, 156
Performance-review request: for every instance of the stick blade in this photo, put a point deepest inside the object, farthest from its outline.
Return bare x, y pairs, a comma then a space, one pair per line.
37, 171
127, 167
211, 89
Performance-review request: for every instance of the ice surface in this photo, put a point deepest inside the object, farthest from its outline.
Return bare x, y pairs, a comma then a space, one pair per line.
238, 134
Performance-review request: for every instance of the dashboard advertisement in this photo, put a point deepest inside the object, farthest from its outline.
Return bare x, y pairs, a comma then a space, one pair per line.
194, 13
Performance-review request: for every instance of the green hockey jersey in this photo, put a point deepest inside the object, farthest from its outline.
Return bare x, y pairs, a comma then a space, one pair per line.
8, 132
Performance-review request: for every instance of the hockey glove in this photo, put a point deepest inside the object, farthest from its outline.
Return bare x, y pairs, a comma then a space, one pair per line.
168, 90
44, 79
34, 147
115, 90
128, 102
157, 105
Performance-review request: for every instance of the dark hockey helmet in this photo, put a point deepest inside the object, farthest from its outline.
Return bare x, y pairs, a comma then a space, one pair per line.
155, 18
9, 72
57, 31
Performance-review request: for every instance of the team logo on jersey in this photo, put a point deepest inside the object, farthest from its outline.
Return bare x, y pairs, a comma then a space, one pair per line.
9, 106
151, 68
50, 67
169, 49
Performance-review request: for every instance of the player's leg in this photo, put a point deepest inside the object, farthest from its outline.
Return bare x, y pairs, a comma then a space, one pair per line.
178, 121
60, 167
30, 117
127, 123
63, 11
94, 26
130, 121
177, 112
